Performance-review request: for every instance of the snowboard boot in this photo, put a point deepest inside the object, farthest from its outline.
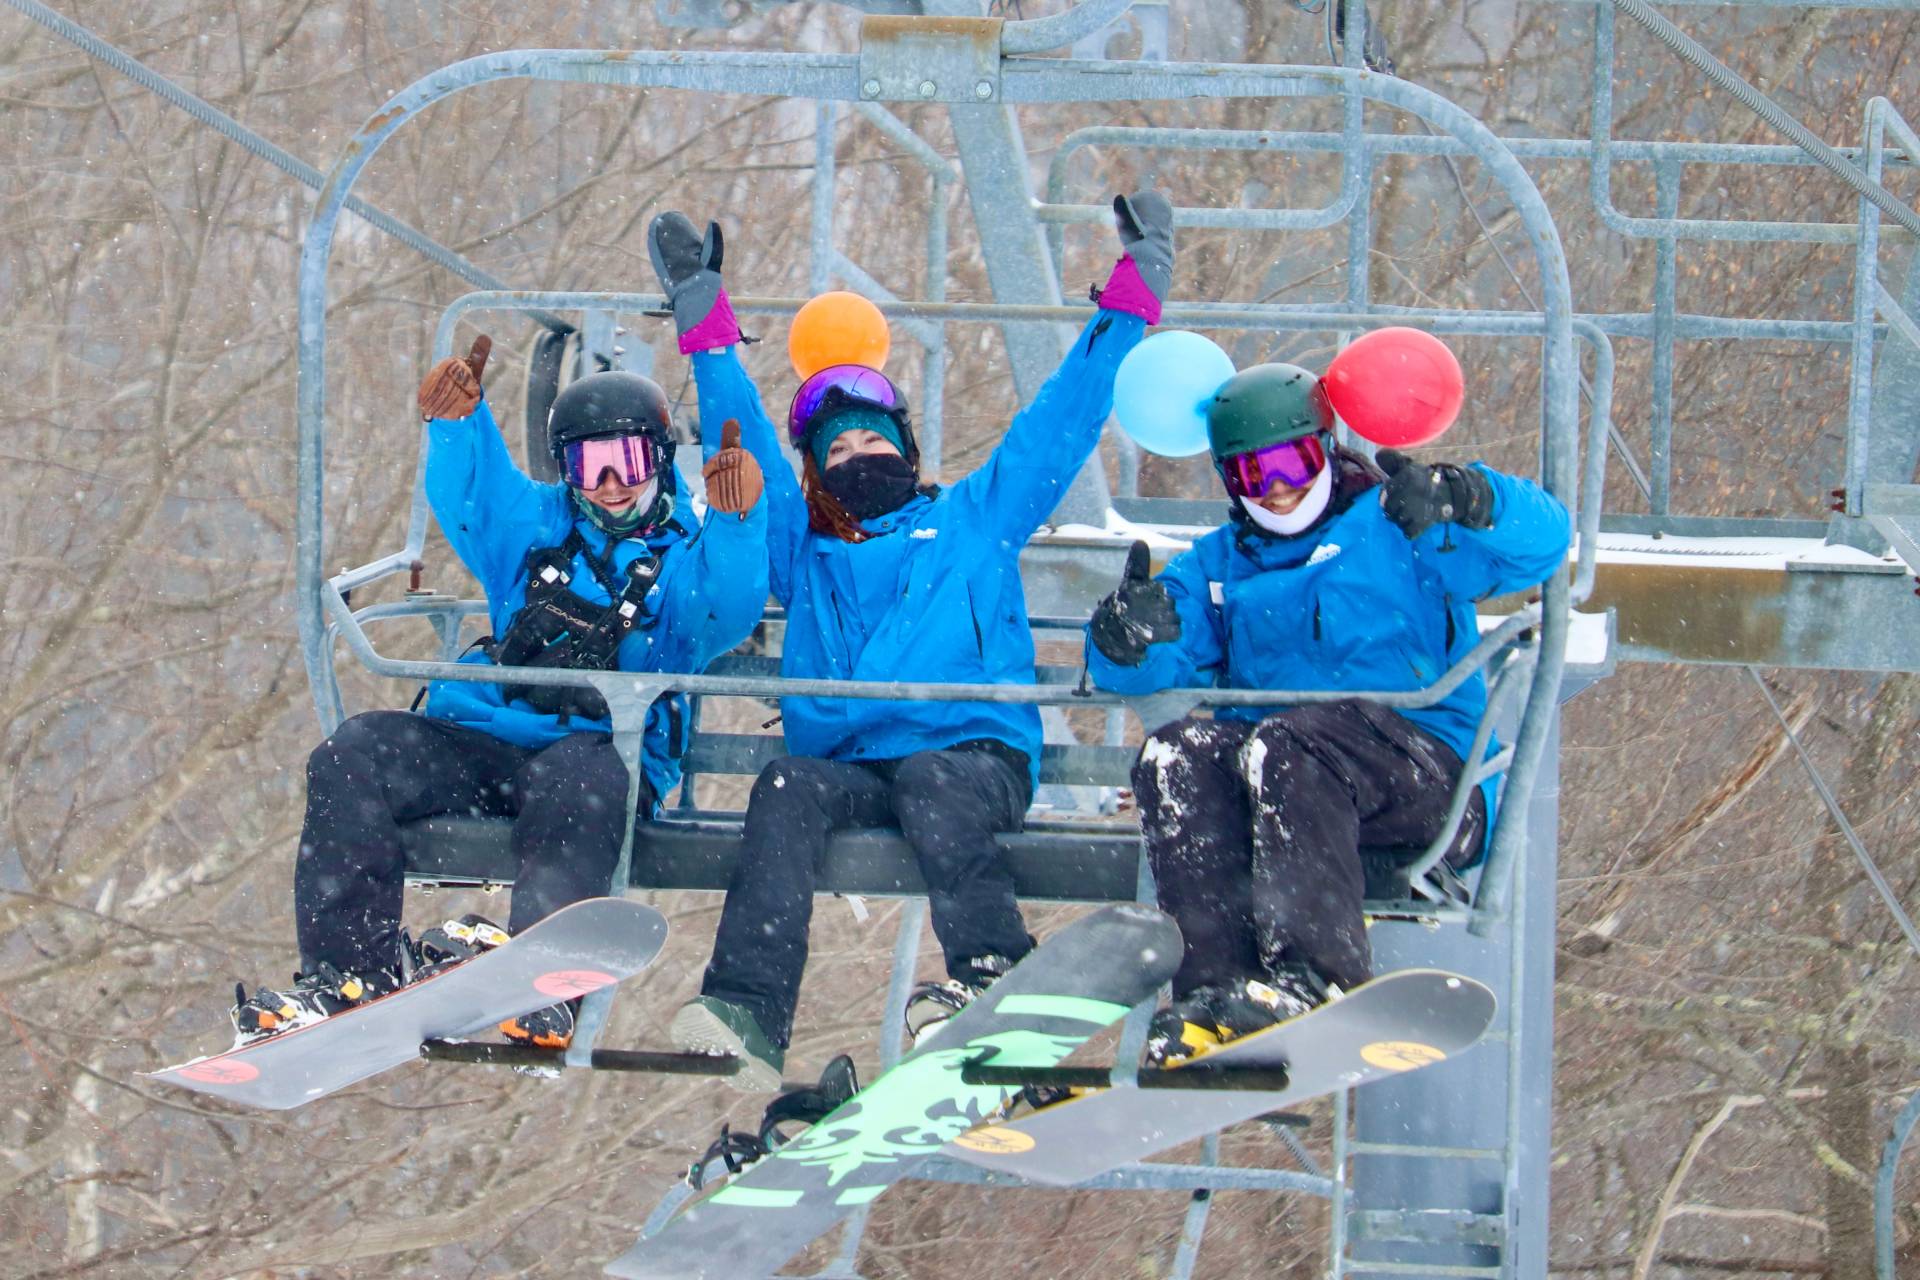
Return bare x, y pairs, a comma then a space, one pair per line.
710, 1025
1182, 1029
548, 1028
455, 941
312, 997
932, 1005
1208, 1017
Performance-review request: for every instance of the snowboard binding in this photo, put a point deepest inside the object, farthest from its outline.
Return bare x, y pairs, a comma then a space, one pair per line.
801, 1107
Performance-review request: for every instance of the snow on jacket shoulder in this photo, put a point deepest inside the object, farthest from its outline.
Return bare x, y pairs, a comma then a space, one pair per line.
1351, 605
709, 595
936, 594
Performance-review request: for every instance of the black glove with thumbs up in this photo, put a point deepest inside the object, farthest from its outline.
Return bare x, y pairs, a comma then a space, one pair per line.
1418, 496
1139, 613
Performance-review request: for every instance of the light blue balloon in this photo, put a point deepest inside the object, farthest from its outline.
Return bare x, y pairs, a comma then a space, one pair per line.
1161, 390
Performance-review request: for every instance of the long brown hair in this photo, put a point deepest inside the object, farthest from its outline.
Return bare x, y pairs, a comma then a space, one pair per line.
825, 514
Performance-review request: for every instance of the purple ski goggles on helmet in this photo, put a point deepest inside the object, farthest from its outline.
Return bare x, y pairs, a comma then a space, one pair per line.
836, 386
1293, 463
630, 458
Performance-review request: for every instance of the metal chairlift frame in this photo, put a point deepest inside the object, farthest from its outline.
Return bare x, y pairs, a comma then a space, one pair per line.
1876, 470
893, 64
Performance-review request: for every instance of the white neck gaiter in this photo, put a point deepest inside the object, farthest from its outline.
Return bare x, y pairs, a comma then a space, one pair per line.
1319, 493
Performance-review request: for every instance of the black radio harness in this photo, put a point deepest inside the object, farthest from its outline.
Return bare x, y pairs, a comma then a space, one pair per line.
557, 627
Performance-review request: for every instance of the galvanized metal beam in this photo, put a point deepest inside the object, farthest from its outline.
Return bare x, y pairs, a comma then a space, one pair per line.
1019, 267
1809, 618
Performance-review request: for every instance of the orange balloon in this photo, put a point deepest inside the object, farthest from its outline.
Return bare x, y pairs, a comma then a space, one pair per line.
838, 328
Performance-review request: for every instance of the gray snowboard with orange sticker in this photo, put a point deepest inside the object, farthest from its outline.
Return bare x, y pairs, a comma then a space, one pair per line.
578, 949
1398, 1022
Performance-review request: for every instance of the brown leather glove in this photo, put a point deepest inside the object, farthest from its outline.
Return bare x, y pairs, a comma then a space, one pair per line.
734, 482
451, 388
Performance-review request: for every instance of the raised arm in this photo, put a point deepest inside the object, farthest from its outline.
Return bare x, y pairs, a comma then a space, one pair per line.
688, 265
486, 505
1050, 439
1480, 531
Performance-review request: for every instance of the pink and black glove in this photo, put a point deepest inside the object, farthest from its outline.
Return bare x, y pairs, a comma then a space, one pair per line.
688, 265
1141, 279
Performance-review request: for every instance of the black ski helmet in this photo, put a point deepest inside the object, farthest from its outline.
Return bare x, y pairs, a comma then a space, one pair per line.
618, 403
613, 403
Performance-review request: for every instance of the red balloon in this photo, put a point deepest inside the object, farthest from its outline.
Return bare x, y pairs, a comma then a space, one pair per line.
1397, 387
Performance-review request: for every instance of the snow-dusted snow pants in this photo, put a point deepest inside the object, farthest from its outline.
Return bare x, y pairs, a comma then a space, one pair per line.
1255, 832
383, 768
948, 804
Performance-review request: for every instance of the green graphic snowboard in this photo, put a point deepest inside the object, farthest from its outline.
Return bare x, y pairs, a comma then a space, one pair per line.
1080, 980
1398, 1022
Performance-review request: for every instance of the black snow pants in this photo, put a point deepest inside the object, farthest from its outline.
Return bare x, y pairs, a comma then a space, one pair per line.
383, 768
1255, 832
948, 804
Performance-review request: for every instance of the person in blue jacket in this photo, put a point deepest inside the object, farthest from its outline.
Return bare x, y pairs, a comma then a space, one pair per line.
886, 576
604, 571
1331, 574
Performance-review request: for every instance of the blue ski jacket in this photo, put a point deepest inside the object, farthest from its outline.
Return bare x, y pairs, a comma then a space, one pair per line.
710, 593
1351, 604
937, 596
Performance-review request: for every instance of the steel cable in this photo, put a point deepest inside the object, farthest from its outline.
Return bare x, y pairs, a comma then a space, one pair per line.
1717, 71
219, 121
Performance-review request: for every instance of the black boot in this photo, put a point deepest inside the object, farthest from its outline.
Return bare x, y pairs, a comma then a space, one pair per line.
934, 1004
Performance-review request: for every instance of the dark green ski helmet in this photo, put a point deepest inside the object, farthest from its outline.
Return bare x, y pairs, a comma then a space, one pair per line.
1267, 404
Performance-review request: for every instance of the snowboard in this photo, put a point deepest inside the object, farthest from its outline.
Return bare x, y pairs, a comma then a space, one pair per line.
1078, 981
1398, 1022
577, 949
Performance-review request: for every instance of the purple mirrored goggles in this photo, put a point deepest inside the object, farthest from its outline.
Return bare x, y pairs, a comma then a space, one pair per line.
1293, 463
834, 387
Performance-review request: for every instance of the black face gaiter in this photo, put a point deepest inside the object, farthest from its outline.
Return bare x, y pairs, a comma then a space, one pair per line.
871, 484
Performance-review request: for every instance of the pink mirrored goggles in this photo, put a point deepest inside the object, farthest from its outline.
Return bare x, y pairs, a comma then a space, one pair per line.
1293, 463
630, 458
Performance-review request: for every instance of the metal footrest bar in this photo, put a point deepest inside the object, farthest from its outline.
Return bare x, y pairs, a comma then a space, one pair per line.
640, 1060
1360, 1268
1255, 1079
1434, 1153
1142, 1177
